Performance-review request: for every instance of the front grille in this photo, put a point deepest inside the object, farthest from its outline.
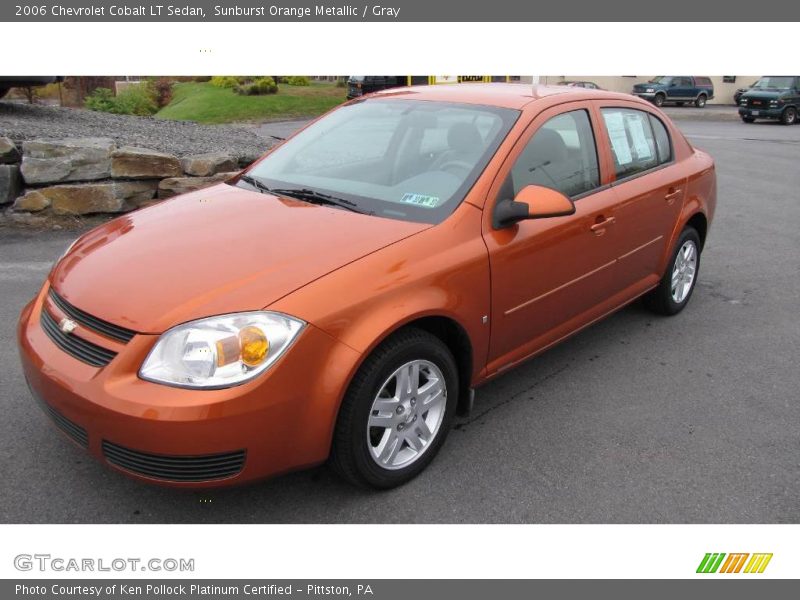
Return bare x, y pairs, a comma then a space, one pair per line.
75, 346
76, 432
175, 468
102, 327
757, 103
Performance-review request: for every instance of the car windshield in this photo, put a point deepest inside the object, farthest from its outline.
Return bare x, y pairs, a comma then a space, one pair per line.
660, 79
774, 83
402, 159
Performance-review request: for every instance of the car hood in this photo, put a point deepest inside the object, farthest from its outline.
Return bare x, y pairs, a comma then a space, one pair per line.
763, 94
644, 86
215, 251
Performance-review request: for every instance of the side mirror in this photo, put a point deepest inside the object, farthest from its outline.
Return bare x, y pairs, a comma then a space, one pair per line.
532, 202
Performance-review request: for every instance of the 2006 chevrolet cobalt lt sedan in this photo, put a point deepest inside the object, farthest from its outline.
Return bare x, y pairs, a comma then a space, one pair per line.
342, 297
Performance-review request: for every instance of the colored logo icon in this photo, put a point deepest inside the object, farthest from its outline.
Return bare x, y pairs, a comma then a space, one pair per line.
734, 563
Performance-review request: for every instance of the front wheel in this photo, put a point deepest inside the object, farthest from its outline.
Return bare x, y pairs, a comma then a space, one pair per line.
397, 412
676, 286
700, 102
789, 116
659, 99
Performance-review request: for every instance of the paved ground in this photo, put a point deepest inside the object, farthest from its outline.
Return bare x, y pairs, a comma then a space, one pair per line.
639, 419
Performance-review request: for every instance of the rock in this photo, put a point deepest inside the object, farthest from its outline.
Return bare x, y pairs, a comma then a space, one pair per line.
74, 159
10, 183
8, 151
205, 165
89, 198
33, 201
140, 163
181, 185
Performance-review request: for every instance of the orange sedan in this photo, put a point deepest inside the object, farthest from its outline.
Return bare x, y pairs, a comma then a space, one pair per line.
342, 298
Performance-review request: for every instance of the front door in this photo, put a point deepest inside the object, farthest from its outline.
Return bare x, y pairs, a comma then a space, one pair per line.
546, 274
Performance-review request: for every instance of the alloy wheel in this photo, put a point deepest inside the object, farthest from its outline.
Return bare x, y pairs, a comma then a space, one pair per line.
406, 414
683, 271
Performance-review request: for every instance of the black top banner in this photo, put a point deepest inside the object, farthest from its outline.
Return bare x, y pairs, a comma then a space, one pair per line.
390, 11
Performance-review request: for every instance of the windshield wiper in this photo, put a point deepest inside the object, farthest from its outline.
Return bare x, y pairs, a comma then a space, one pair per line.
306, 194
256, 183
316, 197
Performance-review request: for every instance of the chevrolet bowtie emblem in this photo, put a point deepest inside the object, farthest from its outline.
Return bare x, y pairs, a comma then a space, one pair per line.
67, 325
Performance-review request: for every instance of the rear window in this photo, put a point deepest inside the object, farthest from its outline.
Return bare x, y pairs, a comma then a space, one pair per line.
633, 144
702, 80
663, 141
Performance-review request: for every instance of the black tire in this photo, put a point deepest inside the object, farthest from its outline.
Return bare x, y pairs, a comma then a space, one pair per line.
659, 99
748, 119
700, 102
789, 115
660, 299
350, 454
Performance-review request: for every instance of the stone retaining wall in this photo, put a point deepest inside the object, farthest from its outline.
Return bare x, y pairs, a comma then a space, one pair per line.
82, 176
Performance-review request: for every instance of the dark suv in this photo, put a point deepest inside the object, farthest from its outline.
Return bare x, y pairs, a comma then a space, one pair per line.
676, 89
358, 85
773, 97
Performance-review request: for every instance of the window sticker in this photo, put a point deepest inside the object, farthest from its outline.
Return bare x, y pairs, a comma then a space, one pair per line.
421, 200
636, 129
619, 138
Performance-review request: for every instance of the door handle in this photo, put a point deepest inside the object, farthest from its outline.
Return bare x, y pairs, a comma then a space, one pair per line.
600, 226
672, 194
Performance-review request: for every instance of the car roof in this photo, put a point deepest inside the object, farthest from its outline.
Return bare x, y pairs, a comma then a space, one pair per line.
503, 95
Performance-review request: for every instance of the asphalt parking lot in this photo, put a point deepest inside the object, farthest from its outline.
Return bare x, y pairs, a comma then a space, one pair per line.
639, 419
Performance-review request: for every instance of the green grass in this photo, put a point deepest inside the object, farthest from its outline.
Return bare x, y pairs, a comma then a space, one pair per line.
205, 103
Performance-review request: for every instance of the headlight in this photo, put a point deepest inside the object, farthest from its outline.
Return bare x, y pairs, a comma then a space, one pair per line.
220, 352
650, 90
774, 102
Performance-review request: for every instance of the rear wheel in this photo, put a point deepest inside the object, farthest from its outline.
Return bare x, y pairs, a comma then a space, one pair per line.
659, 99
677, 284
397, 411
789, 116
700, 102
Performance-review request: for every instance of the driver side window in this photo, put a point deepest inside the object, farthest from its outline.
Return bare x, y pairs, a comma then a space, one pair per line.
561, 155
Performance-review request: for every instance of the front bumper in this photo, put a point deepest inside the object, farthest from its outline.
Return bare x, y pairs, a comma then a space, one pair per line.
280, 421
761, 113
645, 95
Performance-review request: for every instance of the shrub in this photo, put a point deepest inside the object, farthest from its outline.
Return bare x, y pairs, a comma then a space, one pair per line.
259, 87
160, 91
101, 99
135, 100
225, 81
202, 79
298, 80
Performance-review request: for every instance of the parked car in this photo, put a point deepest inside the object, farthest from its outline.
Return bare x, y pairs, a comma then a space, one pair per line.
773, 97
678, 90
589, 85
334, 301
737, 95
358, 85
6, 82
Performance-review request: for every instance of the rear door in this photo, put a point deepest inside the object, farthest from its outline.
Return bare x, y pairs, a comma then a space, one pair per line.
649, 187
681, 88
